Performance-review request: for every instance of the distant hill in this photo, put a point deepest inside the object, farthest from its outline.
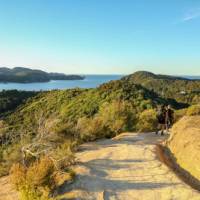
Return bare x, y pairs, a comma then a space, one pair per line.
26, 75
181, 89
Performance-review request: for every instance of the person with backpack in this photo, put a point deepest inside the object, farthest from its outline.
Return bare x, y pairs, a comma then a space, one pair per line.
161, 117
169, 117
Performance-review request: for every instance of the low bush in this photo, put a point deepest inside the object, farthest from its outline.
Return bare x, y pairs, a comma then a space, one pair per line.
90, 129
63, 177
178, 114
193, 110
112, 119
63, 156
118, 116
147, 121
34, 182
8, 156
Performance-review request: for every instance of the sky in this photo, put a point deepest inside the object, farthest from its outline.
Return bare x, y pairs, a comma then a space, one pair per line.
101, 36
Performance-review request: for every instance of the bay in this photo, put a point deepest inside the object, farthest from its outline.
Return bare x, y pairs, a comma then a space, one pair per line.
193, 77
90, 81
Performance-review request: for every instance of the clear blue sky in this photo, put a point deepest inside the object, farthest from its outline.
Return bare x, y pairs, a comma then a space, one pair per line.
101, 36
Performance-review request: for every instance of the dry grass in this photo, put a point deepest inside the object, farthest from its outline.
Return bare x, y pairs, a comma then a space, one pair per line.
34, 182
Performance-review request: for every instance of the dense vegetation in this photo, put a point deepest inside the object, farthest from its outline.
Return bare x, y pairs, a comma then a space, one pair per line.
44, 131
10, 99
181, 89
77, 114
26, 75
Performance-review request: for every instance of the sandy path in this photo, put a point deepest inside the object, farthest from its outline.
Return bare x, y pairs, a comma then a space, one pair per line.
7, 191
125, 168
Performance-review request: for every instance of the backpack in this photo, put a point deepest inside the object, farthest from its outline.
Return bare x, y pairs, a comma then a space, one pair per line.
160, 115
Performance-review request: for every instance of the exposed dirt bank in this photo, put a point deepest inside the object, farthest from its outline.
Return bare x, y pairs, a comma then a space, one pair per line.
184, 144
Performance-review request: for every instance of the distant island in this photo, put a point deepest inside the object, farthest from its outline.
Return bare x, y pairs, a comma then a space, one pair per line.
26, 75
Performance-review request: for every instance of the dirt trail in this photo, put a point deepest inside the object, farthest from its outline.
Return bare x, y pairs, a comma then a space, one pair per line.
125, 168
7, 191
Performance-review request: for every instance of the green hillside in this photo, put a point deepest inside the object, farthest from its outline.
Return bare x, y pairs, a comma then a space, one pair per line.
10, 99
181, 89
75, 114
44, 129
26, 75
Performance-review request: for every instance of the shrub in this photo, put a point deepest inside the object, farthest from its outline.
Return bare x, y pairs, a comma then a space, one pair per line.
146, 104
90, 128
34, 182
178, 114
18, 175
12, 153
118, 116
193, 110
147, 121
64, 129
9, 155
40, 172
63, 177
112, 119
63, 156
196, 99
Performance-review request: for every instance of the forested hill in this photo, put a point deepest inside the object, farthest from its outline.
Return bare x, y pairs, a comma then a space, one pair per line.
49, 126
26, 75
11, 99
181, 89
78, 114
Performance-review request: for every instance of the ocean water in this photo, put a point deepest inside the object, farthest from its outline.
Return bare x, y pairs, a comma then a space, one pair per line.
193, 77
90, 81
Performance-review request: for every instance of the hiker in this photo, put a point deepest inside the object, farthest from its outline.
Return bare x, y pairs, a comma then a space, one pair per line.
161, 117
169, 117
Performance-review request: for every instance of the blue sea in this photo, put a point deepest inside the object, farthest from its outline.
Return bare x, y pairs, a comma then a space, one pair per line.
90, 81
192, 77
